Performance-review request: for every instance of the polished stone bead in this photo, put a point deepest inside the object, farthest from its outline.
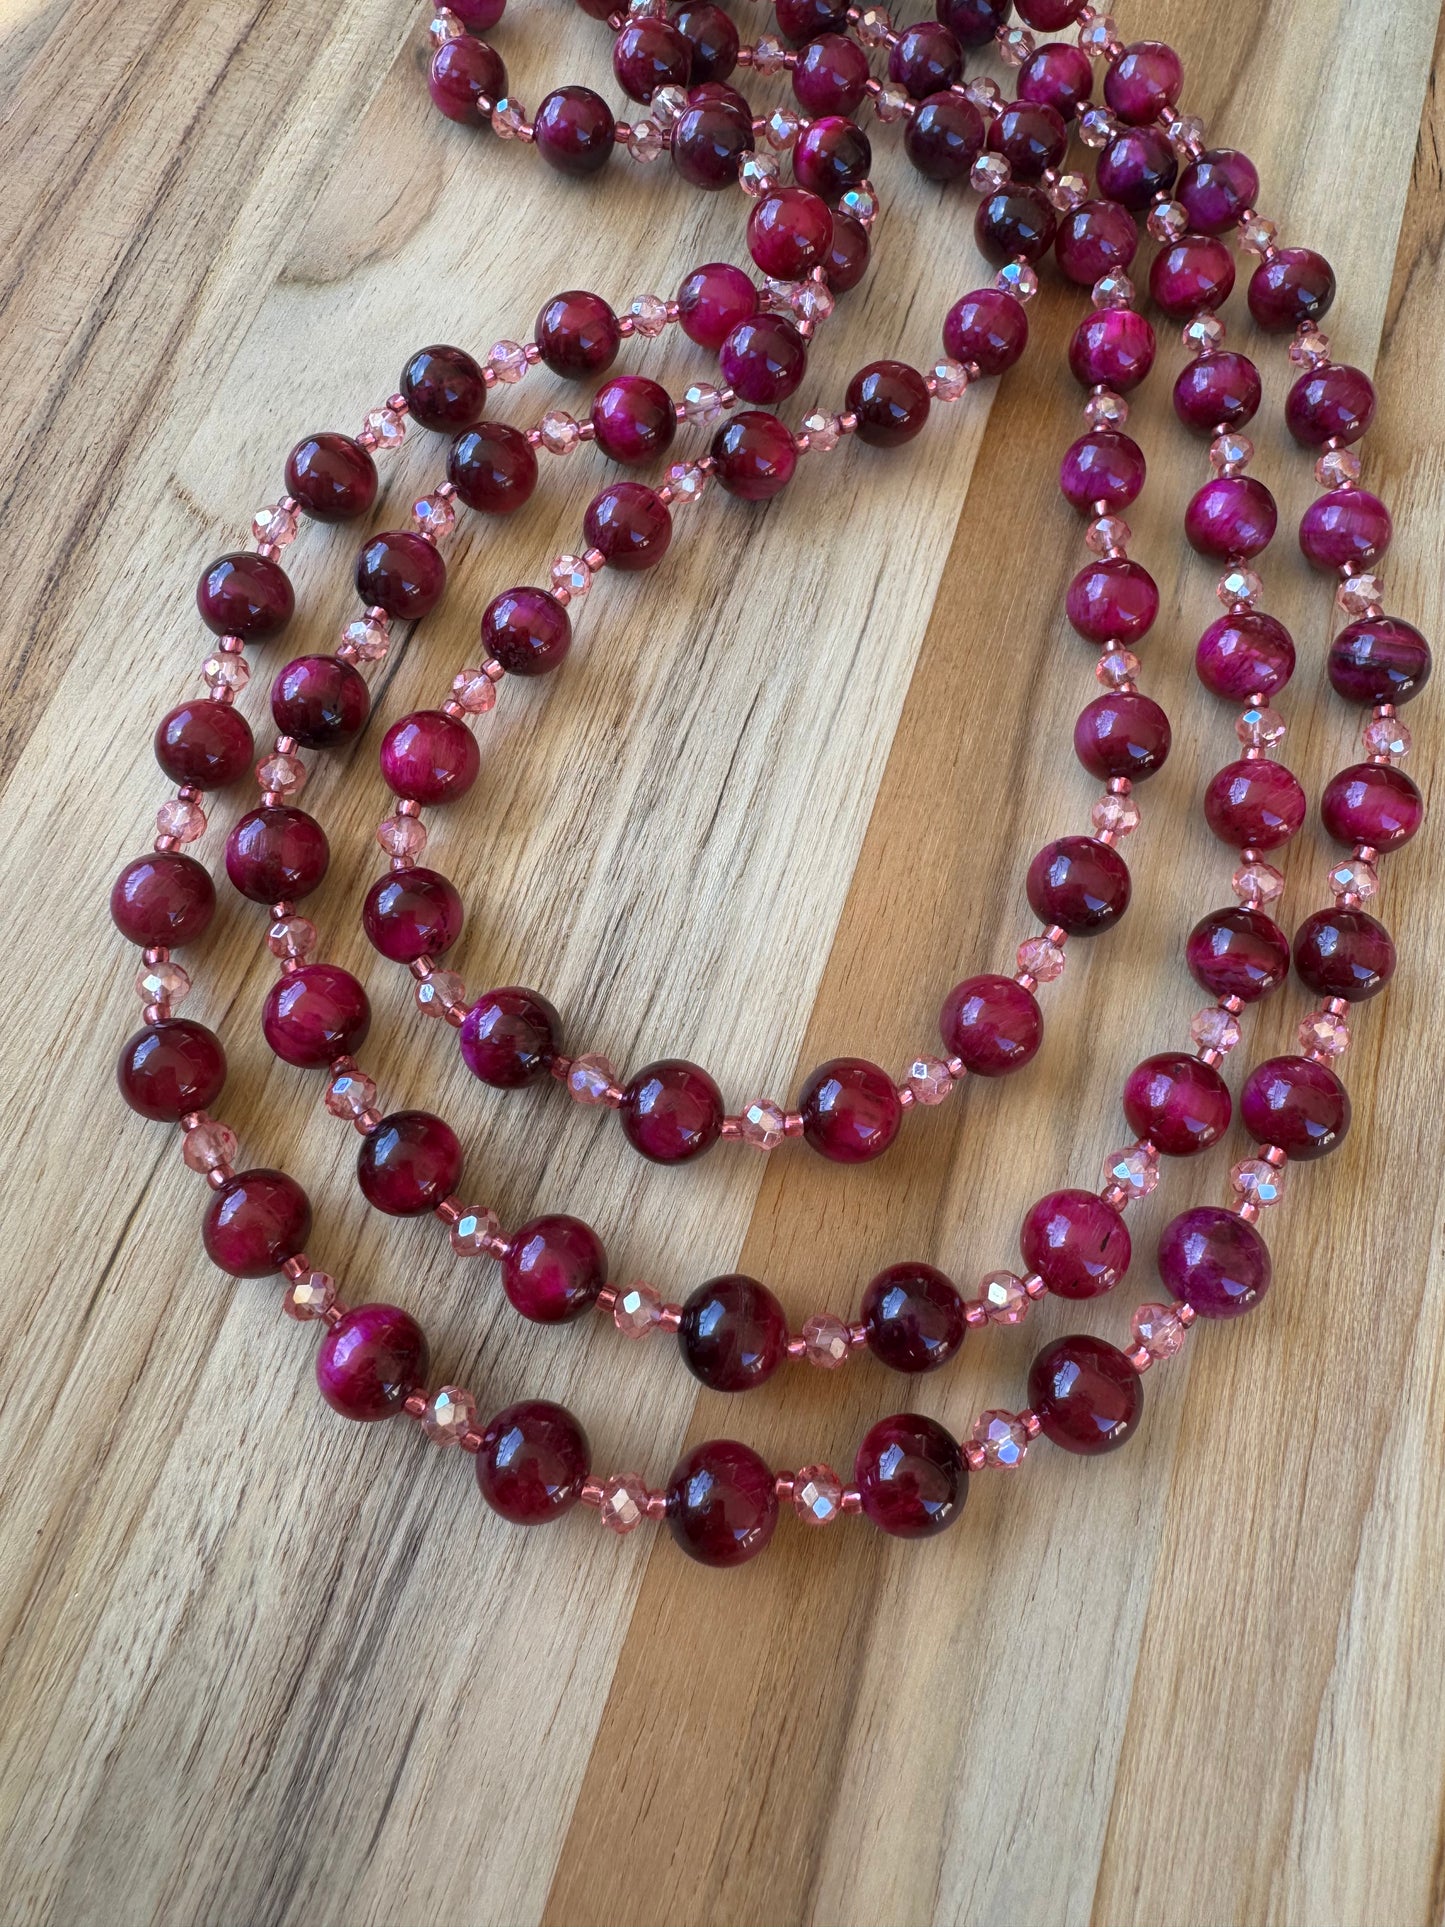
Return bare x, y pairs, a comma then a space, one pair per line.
1295, 1103
493, 468
444, 388
1087, 1395
255, 1222
722, 1503
1078, 1244
911, 1476
332, 477
1214, 1261
1344, 953
371, 1361
1238, 953
532, 1462
992, 1023
913, 1317
409, 1164
1080, 884
170, 1068
850, 1109
733, 1333
276, 852
315, 1014
204, 744
510, 1037
554, 1268
1379, 659
1179, 1103
1372, 803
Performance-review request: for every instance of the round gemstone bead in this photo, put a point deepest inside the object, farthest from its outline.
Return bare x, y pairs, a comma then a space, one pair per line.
1136, 167
1254, 804
913, 1317
1214, 1261
754, 455
574, 131
554, 1269
992, 1024
851, 1111
1371, 803
1238, 953
890, 401
1122, 734
722, 1503
444, 388
1049, 16
532, 1462
321, 701
1016, 221
1216, 188
1220, 390
987, 329
672, 1112
713, 39
401, 572
925, 59
204, 744
1113, 600
409, 1164
712, 301
634, 418
1102, 466
1143, 81
1094, 239
527, 630
1347, 528
910, 1476
944, 136
1077, 1244
848, 257
831, 75
315, 1014
165, 899
245, 595
1245, 655
1335, 403
764, 359
410, 914
1087, 1395
1179, 1103
630, 524
733, 1333
1232, 517
276, 852
1344, 953
648, 54
510, 1037
255, 1222
371, 1361
1031, 139
708, 145
1194, 275
493, 468
331, 477
577, 334
1379, 659
1112, 348
170, 1068
1295, 1103
429, 757
1057, 76
464, 73
831, 156
1294, 285
1080, 884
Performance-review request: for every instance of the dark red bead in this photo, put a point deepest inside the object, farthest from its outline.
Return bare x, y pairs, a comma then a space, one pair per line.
314, 1015
444, 388
648, 54
575, 131
533, 1462
1295, 285
1372, 803
1080, 884
1031, 139
831, 75
1016, 221
1122, 734
1193, 275
973, 23
1254, 804
332, 477
409, 1164
913, 1317
1136, 167
988, 328
848, 257
1102, 467
718, 93
712, 301
1238, 953
1214, 1261
789, 233
1114, 600
910, 1476
1379, 659
321, 701
464, 73
634, 418
1231, 518
205, 744
850, 1110
1086, 1393
1143, 81
412, 913
480, 15
713, 39
1057, 76
1335, 403
1179, 1103
630, 524
733, 1333
1217, 188
830, 156
943, 137
401, 572
764, 359
1343, 953
925, 59
992, 1023
255, 1222
722, 1503
510, 1037
1113, 348
162, 899
1297, 1104
1245, 655
1346, 528
245, 595
275, 853
577, 334
493, 468
672, 1112
1094, 239
891, 402
373, 1359
429, 757
527, 630
1217, 391
171, 1068
754, 455
1076, 1243
708, 145
1049, 16
554, 1268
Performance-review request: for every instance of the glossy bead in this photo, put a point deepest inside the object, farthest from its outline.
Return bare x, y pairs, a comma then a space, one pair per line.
1215, 1261
630, 524
830, 156
1122, 734
1016, 221
245, 595
891, 402
987, 328
1217, 188
754, 455
733, 1333
1254, 804
943, 137
708, 145
850, 1110
1194, 275
429, 757
409, 1164
1372, 803
577, 334
1335, 403
1143, 81
1343, 953
1076, 1243
1179, 1103
444, 388
321, 701
170, 1068
255, 1222
1102, 466
713, 40
527, 630
315, 1014
849, 255
1379, 659
533, 1462
764, 359
1245, 655
1113, 348
1049, 16
401, 572
712, 301
1231, 518
914, 1318
789, 233
910, 1476
276, 853
1115, 601
464, 73
992, 1023
1217, 391
414, 913
1094, 239
671, 1112
371, 1361
1080, 884
1057, 76
634, 418
1297, 1104
1346, 528
1031, 139
831, 76
1238, 953
722, 1503
554, 1268
332, 477
648, 54
164, 899
493, 468
574, 131
973, 23
925, 59
205, 744
1087, 1395
1137, 166
1295, 285
510, 1037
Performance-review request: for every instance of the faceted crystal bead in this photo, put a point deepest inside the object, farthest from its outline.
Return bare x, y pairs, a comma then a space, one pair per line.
281, 774
509, 117
1135, 1170
1258, 1182
225, 671
1322, 1031
274, 526
762, 1124
988, 174
813, 303
444, 26
891, 101
209, 1146
434, 515
1106, 410
1003, 1297
1214, 1028
1202, 333
668, 104
769, 54
636, 1311
1018, 279
1387, 736
1353, 877
649, 315
1097, 128
1167, 221
817, 1494
1098, 34
1115, 815
311, 1296
1117, 668
823, 432
385, 427
367, 639
950, 379
590, 1078
1310, 348
402, 836
474, 691
559, 431
782, 128
874, 26
624, 1502
1257, 884
450, 1414
291, 938
825, 1341
1256, 235
1229, 454
1158, 1329
1015, 46
475, 1232
1041, 958
1239, 588
1109, 535
758, 175
702, 401
1187, 133
1004, 1439
1260, 727
1112, 291
1337, 468
861, 203
162, 983
687, 481
571, 573
982, 92
181, 819
350, 1093
507, 361
441, 991
1357, 595
929, 1079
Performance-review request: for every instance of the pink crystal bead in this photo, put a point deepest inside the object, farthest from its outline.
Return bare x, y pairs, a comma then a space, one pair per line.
817, 1495
825, 1341
311, 1296
1134, 1170
182, 819
450, 1414
350, 1094
763, 1124
291, 938
162, 983
1258, 1182
475, 1233
440, 993
623, 1505
1042, 958
1003, 1297
589, 1079
636, 1311
403, 837
929, 1079
1004, 1438
1158, 1329
1214, 1028
209, 1146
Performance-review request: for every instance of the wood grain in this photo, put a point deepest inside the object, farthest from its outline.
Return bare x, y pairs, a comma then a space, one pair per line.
259, 1667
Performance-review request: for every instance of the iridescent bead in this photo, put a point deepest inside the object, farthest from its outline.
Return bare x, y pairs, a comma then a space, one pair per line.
1386, 736
475, 1232
162, 983
1214, 1028
1257, 883
1258, 1182
559, 431
636, 1311
590, 1078
649, 315
507, 361
1002, 1295
825, 1341
763, 1124
474, 691
1324, 1033
209, 1145
1114, 815
623, 1505
1042, 958
281, 774
434, 515
367, 639
929, 1079
404, 837
1158, 1329
182, 819
310, 1297
1004, 1438
450, 1414
1260, 727
817, 1494
1353, 877
350, 1094
439, 993
1357, 595
1134, 1170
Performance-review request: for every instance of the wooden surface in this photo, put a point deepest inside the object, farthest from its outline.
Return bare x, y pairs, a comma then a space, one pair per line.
261, 1666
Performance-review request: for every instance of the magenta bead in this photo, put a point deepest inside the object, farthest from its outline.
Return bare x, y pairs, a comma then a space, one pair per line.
1295, 285
255, 1222
510, 1037
992, 1024
1086, 1393
164, 899
712, 301
913, 1317
245, 595
1080, 884
276, 853
1217, 391
1217, 188
1244, 656
1031, 139
1112, 601
1254, 804
973, 23
733, 1333
401, 572
429, 757
849, 255
533, 1462
722, 1503
205, 744
634, 418
1372, 803
409, 914
465, 73
1331, 404
1343, 953
851, 1111
574, 131
925, 59
1057, 76
409, 1163
1016, 221
1214, 1261
1347, 528
764, 359
648, 54
331, 477
789, 233
1112, 348
1076, 1243
1297, 1104
171, 1068
890, 401
1179, 1103
445, 389
1193, 275
831, 75
314, 1015
372, 1360
577, 334
1103, 470
1049, 16
1122, 734
1237, 953
1231, 518
554, 1268
830, 156
1379, 659
527, 630
1143, 81
493, 468
754, 455
708, 145
630, 525
320, 701
943, 137
671, 1112
1135, 168
987, 328
910, 1476
712, 38
1094, 239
